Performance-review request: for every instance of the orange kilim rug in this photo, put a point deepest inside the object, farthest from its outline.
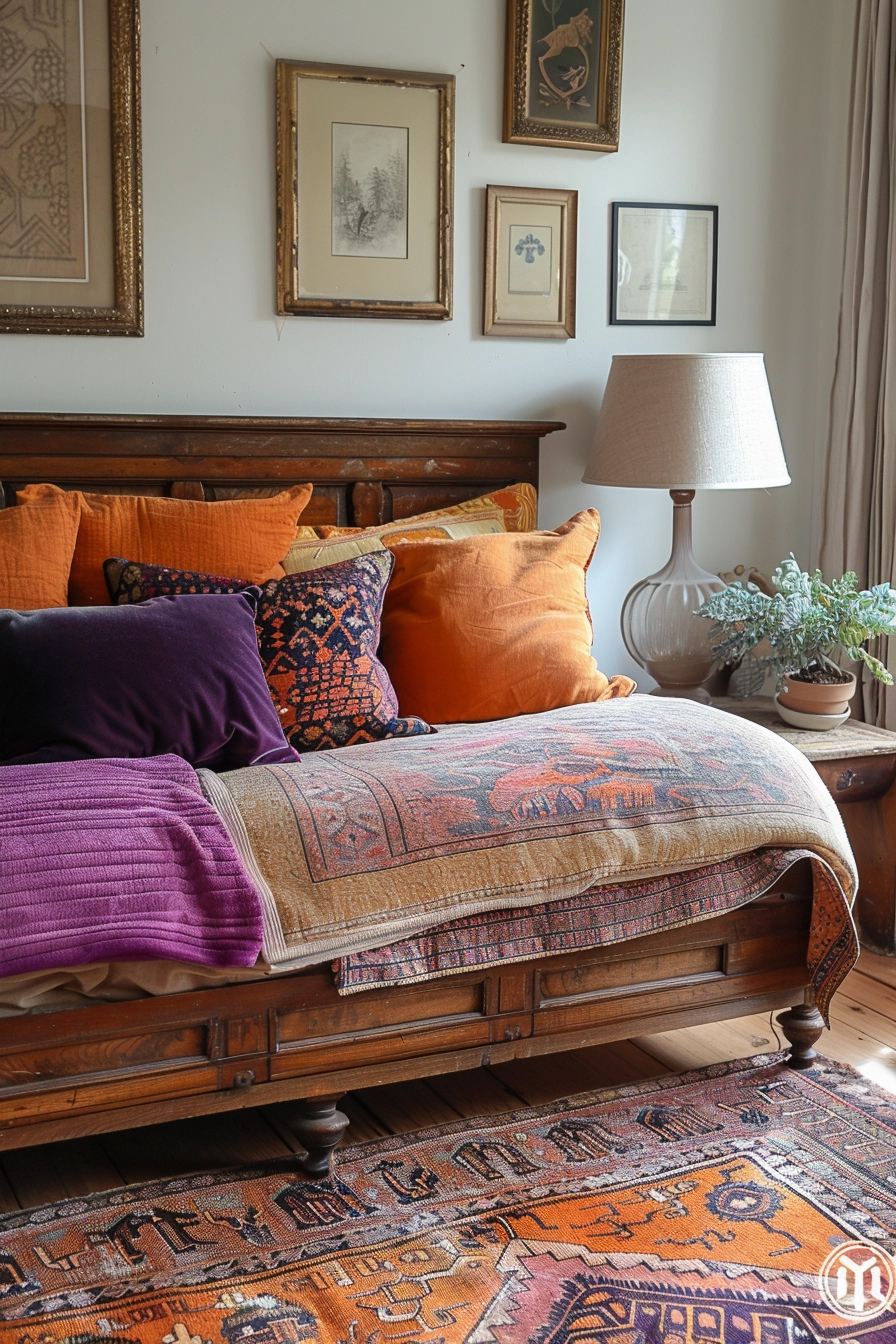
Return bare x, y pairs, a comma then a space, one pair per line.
696, 1209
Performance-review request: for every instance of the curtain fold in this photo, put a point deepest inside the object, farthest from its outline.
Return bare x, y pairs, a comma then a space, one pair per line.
859, 496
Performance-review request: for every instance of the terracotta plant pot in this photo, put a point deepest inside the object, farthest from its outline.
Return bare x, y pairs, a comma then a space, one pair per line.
811, 697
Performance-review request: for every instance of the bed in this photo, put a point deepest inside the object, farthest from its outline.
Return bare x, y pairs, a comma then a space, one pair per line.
115, 1065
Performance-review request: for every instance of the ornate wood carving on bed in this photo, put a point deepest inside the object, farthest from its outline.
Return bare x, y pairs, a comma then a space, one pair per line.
112, 1066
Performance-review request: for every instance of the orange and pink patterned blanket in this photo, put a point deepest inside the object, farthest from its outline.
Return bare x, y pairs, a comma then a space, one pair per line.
611, 914
358, 848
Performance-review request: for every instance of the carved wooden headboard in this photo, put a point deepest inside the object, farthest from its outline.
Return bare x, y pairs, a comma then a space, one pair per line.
364, 471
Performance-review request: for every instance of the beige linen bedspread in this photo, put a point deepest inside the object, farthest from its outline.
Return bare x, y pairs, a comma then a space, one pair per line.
358, 847
115, 982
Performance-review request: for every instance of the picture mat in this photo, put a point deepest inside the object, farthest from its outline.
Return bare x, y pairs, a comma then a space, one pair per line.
320, 103
43, 153
661, 288
365, 152
530, 261
510, 307
98, 290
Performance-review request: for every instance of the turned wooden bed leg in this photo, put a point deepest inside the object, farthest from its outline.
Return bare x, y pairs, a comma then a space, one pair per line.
318, 1126
802, 1025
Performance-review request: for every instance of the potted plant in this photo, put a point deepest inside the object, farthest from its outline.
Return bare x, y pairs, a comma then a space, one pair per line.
801, 627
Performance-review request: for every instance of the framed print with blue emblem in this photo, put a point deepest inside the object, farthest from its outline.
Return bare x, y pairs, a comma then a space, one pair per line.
530, 262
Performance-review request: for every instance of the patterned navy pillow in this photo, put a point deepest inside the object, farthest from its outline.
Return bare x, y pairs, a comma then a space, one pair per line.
318, 634
129, 582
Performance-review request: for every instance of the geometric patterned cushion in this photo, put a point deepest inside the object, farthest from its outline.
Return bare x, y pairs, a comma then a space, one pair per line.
318, 634
129, 582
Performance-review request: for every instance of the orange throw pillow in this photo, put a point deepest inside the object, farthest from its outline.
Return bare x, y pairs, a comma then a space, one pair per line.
240, 538
494, 626
36, 549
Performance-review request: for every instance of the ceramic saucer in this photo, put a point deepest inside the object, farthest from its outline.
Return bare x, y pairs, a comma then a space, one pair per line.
818, 723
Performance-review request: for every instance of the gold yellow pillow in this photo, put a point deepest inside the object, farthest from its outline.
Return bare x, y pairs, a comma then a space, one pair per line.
308, 553
241, 538
518, 504
494, 626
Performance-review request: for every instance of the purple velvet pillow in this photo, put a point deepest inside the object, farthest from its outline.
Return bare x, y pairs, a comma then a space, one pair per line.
175, 674
318, 633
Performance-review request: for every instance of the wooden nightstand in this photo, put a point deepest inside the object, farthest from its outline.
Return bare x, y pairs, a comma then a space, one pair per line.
858, 764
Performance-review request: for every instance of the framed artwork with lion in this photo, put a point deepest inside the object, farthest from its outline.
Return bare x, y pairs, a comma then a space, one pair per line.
563, 75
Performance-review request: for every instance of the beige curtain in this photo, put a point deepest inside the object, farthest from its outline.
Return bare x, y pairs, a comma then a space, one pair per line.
859, 501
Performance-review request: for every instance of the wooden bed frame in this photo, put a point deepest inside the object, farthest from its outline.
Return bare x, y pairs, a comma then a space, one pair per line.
291, 1037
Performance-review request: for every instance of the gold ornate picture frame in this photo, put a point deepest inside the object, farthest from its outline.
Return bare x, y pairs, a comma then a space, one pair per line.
530, 262
563, 73
365, 191
71, 248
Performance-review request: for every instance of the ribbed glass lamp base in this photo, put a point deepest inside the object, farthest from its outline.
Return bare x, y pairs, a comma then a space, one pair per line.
659, 628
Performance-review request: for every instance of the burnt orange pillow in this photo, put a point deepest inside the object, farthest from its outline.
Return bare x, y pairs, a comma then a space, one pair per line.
36, 549
242, 538
494, 626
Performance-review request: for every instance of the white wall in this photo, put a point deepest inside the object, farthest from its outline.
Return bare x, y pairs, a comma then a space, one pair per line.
741, 103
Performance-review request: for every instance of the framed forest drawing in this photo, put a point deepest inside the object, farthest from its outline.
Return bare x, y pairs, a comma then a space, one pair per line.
563, 73
70, 194
365, 176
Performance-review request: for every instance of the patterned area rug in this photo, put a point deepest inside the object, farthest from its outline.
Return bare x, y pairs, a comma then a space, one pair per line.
690, 1210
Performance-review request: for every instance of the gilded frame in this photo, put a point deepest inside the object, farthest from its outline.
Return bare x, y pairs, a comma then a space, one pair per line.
124, 316
296, 225
596, 125
533, 311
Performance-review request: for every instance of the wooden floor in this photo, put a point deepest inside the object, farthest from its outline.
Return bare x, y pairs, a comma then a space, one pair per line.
863, 1033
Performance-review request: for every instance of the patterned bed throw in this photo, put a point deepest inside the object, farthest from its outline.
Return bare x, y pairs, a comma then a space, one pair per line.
611, 914
359, 847
118, 860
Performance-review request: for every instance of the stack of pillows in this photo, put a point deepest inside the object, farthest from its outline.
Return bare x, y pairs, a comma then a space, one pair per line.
231, 635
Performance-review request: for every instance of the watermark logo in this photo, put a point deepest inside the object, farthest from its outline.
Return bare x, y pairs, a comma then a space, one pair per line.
858, 1281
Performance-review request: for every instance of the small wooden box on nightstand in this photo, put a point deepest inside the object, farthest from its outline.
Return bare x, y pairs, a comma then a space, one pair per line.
858, 765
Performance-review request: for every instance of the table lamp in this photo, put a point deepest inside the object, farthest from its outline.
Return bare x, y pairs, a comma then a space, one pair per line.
683, 423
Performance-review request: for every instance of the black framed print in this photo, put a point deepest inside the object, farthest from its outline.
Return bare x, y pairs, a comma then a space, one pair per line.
663, 264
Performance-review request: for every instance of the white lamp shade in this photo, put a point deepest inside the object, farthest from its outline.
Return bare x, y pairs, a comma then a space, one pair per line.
687, 422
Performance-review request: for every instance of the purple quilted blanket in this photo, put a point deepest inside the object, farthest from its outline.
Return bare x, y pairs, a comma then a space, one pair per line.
118, 860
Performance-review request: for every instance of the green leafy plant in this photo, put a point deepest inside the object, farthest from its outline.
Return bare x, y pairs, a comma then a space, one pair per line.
805, 624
